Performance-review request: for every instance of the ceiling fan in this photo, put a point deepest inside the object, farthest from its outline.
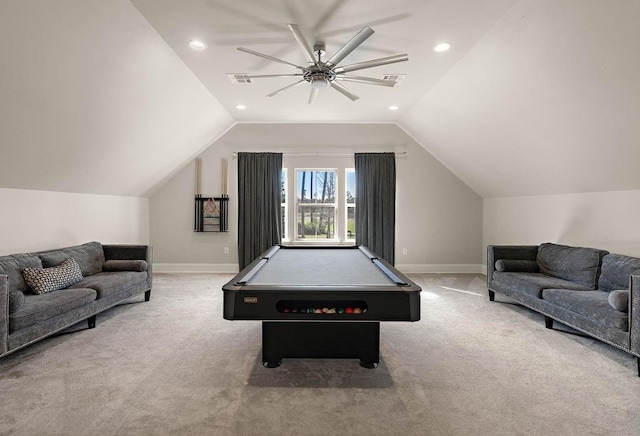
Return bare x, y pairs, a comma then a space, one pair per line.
321, 74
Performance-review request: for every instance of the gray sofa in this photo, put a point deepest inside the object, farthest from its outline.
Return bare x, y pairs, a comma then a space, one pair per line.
101, 276
590, 290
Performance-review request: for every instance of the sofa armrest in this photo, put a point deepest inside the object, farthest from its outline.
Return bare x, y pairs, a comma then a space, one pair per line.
4, 313
510, 252
131, 252
634, 313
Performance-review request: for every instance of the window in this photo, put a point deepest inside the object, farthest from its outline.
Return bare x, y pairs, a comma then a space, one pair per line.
316, 203
283, 203
350, 196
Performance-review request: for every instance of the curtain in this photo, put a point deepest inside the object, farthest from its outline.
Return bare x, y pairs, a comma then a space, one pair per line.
259, 220
376, 203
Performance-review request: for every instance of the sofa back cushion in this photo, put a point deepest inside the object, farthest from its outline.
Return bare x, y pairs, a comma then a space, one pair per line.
90, 257
13, 265
616, 270
576, 264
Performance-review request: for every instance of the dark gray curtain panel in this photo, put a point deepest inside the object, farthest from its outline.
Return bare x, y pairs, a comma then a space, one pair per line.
376, 203
259, 223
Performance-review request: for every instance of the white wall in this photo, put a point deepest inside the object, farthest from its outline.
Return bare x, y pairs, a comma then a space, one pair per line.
607, 220
39, 220
438, 218
171, 215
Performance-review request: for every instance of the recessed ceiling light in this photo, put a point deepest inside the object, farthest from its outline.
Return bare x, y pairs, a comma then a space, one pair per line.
394, 108
197, 45
443, 46
240, 107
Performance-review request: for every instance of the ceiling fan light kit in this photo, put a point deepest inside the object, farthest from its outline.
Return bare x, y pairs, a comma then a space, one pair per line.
320, 74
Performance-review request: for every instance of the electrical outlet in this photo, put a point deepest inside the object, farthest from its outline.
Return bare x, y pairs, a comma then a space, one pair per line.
225, 250
404, 251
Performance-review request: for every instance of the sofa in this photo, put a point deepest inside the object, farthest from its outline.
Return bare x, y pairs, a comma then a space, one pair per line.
44, 292
590, 290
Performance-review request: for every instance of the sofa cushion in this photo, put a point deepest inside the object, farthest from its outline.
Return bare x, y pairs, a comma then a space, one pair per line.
511, 265
13, 265
576, 264
619, 300
125, 265
107, 283
42, 280
533, 283
16, 301
90, 257
593, 305
616, 270
39, 308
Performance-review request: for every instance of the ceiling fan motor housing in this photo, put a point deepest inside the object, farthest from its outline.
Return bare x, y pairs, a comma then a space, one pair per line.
319, 76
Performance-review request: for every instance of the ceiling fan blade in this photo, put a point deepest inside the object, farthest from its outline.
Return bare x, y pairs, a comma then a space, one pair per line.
313, 95
286, 87
350, 46
372, 63
271, 58
259, 76
338, 87
368, 80
302, 43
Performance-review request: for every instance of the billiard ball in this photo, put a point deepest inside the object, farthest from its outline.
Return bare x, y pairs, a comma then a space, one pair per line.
357, 310
348, 310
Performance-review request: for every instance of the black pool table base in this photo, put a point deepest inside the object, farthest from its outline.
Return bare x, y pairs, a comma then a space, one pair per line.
321, 340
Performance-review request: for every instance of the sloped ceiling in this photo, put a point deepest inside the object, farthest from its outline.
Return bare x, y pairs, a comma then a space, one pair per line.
547, 102
536, 96
93, 101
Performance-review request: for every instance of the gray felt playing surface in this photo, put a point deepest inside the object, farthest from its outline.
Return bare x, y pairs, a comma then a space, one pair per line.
322, 266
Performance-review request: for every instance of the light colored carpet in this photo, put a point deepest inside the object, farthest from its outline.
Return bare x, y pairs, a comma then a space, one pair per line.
174, 366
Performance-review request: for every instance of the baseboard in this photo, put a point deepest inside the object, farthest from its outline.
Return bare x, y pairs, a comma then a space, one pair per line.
441, 268
194, 268
230, 268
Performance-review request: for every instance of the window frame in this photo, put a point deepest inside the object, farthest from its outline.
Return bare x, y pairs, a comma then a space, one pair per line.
284, 183
348, 205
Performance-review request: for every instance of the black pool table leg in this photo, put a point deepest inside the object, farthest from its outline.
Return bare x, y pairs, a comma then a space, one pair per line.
321, 340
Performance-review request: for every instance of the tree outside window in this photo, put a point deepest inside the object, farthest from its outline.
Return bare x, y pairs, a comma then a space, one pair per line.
316, 203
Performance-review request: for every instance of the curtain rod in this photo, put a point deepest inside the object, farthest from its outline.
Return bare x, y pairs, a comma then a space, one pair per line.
317, 154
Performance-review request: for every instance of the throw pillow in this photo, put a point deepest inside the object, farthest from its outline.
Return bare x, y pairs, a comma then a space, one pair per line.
511, 265
125, 265
619, 300
43, 280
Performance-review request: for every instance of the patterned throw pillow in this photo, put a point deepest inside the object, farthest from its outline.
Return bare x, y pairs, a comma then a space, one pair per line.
42, 280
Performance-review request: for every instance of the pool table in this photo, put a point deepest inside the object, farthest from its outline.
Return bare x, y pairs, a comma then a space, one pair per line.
321, 302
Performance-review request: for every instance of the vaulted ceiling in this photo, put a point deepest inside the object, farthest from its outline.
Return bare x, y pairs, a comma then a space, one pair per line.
534, 97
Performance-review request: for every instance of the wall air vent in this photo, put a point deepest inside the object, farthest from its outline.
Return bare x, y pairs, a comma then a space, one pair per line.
239, 79
398, 78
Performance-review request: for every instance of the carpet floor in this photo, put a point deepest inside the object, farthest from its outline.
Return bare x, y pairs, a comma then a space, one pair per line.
175, 366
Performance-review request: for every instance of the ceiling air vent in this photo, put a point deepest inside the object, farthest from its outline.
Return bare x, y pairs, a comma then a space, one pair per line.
395, 77
239, 79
